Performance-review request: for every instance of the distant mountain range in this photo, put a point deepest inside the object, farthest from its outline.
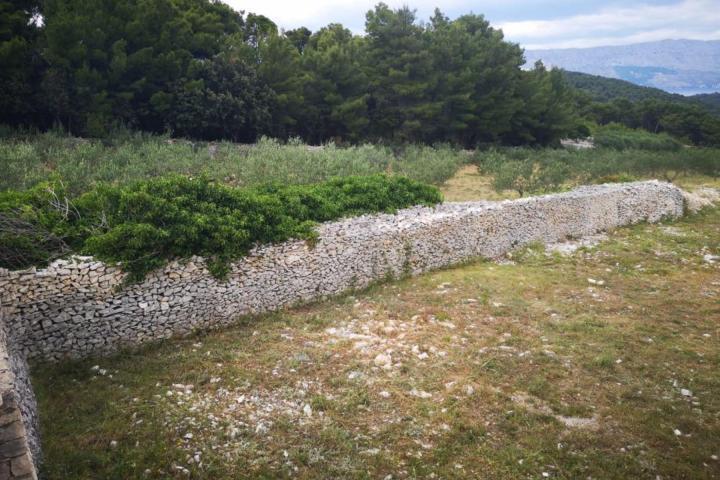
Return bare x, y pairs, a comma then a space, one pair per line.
604, 89
687, 67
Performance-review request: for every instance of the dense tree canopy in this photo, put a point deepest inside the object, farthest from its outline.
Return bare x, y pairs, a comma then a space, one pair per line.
120, 61
20, 67
199, 69
690, 123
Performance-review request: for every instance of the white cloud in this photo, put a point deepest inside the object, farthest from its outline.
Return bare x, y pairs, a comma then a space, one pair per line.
613, 24
318, 13
290, 14
691, 19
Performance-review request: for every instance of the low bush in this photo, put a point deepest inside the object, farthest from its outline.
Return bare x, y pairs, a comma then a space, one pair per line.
32, 225
527, 175
145, 224
618, 137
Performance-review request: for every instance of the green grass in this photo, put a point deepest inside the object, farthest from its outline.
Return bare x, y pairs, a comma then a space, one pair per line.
533, 339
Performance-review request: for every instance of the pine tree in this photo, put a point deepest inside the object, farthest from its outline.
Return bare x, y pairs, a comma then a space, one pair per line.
336, 88
399, 67
280, 69
20, 65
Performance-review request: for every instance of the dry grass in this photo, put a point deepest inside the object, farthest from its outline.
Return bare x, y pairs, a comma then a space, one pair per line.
603, 364
468, 184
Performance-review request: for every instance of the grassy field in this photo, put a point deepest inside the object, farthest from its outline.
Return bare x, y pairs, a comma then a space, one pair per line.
82, 163
601, 364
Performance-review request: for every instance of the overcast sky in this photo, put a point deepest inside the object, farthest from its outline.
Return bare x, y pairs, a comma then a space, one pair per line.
532, 23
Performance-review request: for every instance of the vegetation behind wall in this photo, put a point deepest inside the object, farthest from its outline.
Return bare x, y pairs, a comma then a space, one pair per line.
145, 224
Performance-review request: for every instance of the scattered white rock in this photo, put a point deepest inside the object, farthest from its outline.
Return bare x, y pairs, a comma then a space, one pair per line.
701, 198
420, 393
383, 360
708, 258
577, 422
370, 451
569, 247
578, 143
261, 428
181, 469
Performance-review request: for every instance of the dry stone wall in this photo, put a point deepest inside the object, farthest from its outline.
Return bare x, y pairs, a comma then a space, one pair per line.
79, 307
19, 444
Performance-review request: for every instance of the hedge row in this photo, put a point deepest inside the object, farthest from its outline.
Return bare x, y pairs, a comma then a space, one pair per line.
146, 224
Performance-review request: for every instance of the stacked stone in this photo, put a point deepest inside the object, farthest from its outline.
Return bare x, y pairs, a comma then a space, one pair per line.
19, 444
79, 306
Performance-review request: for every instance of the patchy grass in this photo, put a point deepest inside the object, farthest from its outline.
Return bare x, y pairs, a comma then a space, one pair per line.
603, 364
469, 184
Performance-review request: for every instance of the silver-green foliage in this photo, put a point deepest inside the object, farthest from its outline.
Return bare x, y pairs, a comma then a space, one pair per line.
527, 170
82, 163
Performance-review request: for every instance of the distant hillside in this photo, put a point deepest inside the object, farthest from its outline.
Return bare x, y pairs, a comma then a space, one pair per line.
605, 89
679, 66
711, 100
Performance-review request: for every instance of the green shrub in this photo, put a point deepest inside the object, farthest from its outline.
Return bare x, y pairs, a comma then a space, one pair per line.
144, 225
524, 170
622, 138
30, 222
517, 175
